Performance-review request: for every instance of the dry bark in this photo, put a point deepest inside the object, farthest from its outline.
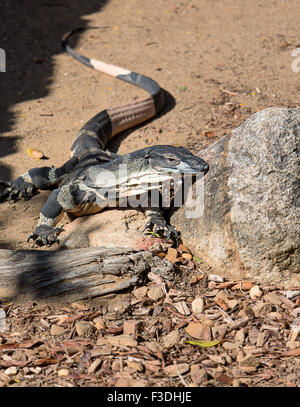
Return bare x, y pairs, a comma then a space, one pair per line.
71, 275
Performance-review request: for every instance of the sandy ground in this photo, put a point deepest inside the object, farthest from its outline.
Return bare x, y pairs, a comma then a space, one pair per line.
220, 64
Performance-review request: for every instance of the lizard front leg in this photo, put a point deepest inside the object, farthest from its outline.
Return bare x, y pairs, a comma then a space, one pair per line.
157, 222
23, 186
37, 178
46, 233
72, 198
59, 201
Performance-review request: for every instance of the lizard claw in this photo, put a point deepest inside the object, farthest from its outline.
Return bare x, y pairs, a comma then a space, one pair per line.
159, 224
5, 189
15, 189
44, 235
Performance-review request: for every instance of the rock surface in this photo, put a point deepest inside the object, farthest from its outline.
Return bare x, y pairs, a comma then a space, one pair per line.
251, 221
112, 228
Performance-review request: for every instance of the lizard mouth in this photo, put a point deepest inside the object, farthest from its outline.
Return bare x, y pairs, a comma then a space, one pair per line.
142, 183
124, 185
171, 181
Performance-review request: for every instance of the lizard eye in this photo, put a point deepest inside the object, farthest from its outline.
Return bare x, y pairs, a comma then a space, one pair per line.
173, 160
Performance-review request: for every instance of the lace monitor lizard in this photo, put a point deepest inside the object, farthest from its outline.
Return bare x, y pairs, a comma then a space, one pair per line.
79, 183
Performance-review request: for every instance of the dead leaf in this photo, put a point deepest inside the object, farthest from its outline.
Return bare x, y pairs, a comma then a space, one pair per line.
171, 255
7, 346
203, 344
46, 361
152, 367
32, 152
82, 376
243, 285
197, 259
67, 319
182, 307
176, 369
77, 305
183, 248
198, 331
224, 379
291, 352
187, 256
208, 134
228, 284
30, 344
222, 304
198, 374
94, 366
9, 363
161, 254
195, 279
112, 330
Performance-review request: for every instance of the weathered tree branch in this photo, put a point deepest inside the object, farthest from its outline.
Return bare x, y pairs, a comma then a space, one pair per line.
70, 275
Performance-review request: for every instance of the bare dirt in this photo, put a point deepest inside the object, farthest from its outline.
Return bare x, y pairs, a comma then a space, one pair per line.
219, 61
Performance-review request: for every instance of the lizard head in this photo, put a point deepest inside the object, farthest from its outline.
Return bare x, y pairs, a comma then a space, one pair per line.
150, 167
173, 160
147, 169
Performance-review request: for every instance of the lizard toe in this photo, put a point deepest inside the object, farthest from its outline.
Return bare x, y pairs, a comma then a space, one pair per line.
157, 229
147, 226
31, 236
5, 189
13, 196
45, 235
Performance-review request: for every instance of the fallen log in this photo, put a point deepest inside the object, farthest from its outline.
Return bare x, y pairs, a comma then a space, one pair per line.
71, 275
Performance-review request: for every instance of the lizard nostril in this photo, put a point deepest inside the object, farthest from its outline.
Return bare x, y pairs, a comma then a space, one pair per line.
205, 168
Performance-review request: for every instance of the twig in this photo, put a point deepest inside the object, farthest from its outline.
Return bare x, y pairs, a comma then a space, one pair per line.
225, 313
179, 375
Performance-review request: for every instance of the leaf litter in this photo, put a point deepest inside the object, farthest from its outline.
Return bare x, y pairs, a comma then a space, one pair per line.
195, 329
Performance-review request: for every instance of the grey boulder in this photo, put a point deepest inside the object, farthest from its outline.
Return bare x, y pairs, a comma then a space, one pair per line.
250, 226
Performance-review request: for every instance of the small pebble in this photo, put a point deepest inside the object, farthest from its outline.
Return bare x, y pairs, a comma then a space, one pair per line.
11, 371
63, 372
132, 327
171, 339
56, 330
118, 340
255, 292
84, 328
249, 361
94, 366
157, 310
35, 370
119, 307
199, 331
198, 305
173, 370
140, 292
136, 366
156, 293
290, 294
216, 278
99, 323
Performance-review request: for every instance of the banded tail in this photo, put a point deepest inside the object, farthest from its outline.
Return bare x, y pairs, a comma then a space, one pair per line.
105, 125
